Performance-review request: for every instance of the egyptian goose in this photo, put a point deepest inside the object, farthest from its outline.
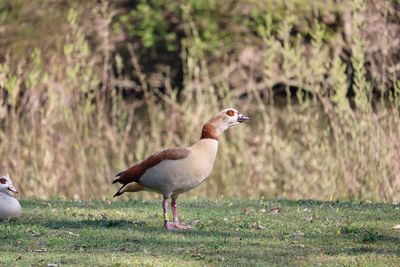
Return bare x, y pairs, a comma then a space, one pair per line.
9, 206
177, 170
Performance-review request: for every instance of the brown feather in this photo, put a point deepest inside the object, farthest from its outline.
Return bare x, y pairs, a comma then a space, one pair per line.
132, 187
209, 131
210, 128
134, 173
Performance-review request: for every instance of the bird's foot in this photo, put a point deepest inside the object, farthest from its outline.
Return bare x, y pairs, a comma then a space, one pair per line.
179, 226
176, 226
169, 226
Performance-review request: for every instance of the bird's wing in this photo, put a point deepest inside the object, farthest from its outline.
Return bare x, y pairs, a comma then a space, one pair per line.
134, 173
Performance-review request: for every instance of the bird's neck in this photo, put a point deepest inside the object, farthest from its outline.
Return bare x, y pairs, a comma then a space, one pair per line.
206, 149
209, 131
6, 194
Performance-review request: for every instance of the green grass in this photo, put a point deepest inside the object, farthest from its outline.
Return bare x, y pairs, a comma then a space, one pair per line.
229, 233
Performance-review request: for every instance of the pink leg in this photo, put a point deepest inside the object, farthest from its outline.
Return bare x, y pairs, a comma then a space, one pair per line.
174, 213
176, 223
167, 224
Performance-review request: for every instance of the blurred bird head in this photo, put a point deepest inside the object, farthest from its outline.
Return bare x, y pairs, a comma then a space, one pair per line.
6, 185
221, 122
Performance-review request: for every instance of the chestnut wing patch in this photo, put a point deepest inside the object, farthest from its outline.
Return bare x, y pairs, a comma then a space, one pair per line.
134, 173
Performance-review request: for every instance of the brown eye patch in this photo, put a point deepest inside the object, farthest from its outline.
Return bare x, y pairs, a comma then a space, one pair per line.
3, 180
230, 113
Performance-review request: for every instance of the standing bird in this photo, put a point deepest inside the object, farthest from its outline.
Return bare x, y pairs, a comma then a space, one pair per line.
9, 206
177, 170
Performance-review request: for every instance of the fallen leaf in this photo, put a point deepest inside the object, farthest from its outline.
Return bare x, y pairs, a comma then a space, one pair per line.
197, 254
40, 250
261, 227
275, 210
299, 233
258, 226
195, 222
33, 232
71, 233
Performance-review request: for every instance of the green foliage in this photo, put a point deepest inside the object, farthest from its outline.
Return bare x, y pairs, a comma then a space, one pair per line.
150, 24
165, 25
10, 83
362, 87
339, 84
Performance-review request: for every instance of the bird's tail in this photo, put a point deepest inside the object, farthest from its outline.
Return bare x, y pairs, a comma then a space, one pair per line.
131, 187
117, 180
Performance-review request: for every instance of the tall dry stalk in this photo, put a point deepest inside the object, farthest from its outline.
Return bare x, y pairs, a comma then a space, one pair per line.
67, 129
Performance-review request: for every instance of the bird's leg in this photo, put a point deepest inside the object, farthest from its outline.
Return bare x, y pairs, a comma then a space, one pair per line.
167, 224
176, 223
174, 212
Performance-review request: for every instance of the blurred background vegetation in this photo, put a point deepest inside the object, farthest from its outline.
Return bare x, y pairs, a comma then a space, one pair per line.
88, 88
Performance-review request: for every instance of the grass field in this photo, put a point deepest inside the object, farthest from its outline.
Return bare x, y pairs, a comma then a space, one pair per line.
229, 233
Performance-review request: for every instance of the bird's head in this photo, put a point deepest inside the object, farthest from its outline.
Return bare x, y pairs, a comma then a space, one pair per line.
6, 185
221, 122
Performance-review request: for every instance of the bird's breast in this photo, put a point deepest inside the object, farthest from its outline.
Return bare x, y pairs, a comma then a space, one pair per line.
9, 207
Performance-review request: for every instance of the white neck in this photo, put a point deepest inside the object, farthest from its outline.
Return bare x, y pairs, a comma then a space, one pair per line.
6, 193
223, 127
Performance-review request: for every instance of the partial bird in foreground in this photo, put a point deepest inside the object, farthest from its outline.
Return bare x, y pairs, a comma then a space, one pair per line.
177, 170
9, 206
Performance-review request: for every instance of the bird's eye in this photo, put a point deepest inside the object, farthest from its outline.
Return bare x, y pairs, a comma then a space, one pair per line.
3, 181
230, 113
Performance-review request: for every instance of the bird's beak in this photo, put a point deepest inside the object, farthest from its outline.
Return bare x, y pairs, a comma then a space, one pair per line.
12, 189
242, 118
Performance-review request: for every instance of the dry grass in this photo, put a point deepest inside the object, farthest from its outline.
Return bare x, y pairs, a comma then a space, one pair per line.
67, 128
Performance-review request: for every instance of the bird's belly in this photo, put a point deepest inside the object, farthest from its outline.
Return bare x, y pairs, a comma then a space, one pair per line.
175, 177
10, 208
187, 184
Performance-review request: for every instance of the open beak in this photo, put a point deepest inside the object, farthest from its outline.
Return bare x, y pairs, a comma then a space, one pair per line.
242, 118
12, 189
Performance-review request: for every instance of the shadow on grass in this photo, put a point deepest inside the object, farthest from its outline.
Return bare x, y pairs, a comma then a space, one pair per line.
85, 223
363, 236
